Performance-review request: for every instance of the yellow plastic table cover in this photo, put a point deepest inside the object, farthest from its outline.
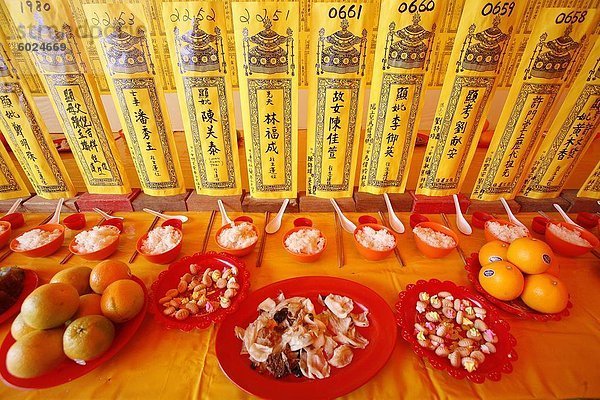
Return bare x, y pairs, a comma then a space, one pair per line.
556, 359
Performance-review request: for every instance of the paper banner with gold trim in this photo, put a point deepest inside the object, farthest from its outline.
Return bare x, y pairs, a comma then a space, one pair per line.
121, 35
196, 34
553, 49
11, 183
483, 35
267, 47
401, 67
591, 186
570, 134
339, 39
64, 71
27, 135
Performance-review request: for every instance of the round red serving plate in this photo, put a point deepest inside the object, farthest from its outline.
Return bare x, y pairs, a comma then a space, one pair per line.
169, 279
30, 282
381, 334
514, 307
69, 370
494, 364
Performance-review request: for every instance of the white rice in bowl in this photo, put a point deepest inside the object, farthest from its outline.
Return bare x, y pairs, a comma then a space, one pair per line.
36, 238
506, 233
238, 236
380, 240
95, 239
160, 240
305, 241
434, 238
568, 235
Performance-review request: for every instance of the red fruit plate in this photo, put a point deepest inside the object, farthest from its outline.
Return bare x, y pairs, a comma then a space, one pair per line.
69, 370
381, 334
30, 282
169, 279
513, 307
494, 365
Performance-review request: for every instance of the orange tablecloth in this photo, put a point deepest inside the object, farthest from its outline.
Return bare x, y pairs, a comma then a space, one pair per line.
556, 359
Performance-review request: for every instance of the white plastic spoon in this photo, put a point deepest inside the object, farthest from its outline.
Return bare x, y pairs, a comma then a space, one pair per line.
14, 207
511, 216
56, 217
182, 218
225, 220
565, 216
461, 221
346, 223
274, 225
395, 222
105, 215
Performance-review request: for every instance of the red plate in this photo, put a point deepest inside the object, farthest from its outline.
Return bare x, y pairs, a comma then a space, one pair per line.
69, 370
29, 284
514, 307
494, 364
381, 334
169, 279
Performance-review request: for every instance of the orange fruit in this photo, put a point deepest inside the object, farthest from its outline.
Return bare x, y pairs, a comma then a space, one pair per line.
531, 256
19, 328
107, 272
545, 293
89, 304
502, 280
78, 277
50, 305
88, 337
492, 251
122, 300
35, 353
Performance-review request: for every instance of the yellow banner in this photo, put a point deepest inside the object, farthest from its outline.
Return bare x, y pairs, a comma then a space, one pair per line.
476, 60
570, 134
120, 34
267, 47
27, 135
338, 41
53, 38
11, 183
591, 187
553, 49
199, 57
402, 65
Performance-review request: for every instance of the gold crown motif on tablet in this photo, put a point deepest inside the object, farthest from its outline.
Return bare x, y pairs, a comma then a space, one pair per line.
126, 53
199, 50
50, 41
483, 51
264, 52
413, 47
553, 58
337, 53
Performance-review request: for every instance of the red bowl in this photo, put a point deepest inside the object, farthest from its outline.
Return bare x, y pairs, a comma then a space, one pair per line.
489, 236
538, 224
100, 254
5, 235
174, 222
16, 220
568, 249
45, 250
479, 218
303, 257
244, 218
303, 222
75, 221
368, 253
416, 219
116, 222
587, 220
162, 258
237, 252
366, 219
435, 252
494, 365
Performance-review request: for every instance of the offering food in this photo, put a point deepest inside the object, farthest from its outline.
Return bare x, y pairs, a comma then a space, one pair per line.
545, 293
201, 293
531, 256
454, 328
122, 300
88, 338
78, 277
504, 232
434, 238
95, 239
36, 238
50, 305
289, 337
305, 241
493, 251
160, 240
568, 235
36, 353
380, 240
502, 280
107, 272
11, 285
238, 236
